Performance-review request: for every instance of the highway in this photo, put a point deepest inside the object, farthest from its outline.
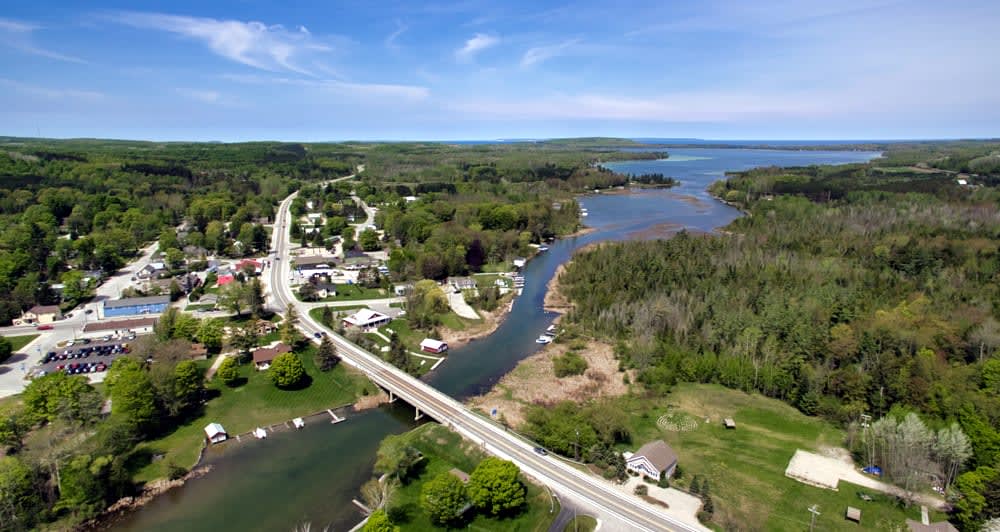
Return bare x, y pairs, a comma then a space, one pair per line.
632, 512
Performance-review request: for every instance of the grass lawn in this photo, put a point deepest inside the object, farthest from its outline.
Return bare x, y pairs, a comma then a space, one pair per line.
353, 292
581, 523
410, 338
746, 466
18, 342
256, 403
444, 450
317, 313
497, 267
195, 307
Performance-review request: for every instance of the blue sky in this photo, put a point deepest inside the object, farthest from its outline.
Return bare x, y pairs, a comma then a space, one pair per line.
337, 70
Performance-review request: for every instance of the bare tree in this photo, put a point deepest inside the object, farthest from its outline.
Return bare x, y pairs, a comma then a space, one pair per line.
377, 493
951, 449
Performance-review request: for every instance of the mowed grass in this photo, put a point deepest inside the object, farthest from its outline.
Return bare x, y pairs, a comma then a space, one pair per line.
241, 409
18, 342
444, 450
745, 467
353, 292
581, 523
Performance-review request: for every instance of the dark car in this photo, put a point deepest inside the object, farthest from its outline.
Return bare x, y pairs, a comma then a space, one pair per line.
541, 451
318, 334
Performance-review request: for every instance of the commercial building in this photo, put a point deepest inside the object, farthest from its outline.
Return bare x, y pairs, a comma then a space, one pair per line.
133, 306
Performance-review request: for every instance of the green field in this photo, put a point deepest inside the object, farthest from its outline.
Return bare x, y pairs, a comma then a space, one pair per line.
581, 523
746, 466
444, 450
256, 403
18, 342
353, 292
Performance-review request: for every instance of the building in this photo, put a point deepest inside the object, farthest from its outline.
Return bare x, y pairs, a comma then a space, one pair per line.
309, 266
402, 289
430, 345
461, 283
120, 327
153, 270
263, 356
132, 306
215, 433
654, 460
247, 265
39, 314
264, 327
325, 290
366, 319
198, 352
225, 278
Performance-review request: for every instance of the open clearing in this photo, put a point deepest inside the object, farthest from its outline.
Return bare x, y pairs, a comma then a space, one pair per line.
745, 467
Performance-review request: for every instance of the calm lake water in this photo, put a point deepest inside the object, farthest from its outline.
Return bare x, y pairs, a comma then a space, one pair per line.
311, 475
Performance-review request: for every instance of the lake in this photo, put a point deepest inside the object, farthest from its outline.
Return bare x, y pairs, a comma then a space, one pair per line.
312, 474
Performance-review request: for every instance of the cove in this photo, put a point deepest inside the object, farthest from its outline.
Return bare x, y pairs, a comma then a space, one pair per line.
312, 474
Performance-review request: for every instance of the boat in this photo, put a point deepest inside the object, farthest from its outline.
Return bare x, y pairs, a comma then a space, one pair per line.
543, 340
260, 433
298, 423
551, 331
543, 248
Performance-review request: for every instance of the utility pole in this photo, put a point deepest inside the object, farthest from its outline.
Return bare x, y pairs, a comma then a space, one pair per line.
814, 510
577, 445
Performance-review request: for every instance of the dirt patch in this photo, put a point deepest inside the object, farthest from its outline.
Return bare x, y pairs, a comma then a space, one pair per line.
555, 301
533, 382
691, 200
580, 232
368, 402
491, 321
657, 231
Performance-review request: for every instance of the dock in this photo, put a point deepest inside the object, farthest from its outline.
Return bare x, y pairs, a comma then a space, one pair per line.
336, 418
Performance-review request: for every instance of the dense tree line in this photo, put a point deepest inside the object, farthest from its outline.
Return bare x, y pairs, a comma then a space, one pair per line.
841, 304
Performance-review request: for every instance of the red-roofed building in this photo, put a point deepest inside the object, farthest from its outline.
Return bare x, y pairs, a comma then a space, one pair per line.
223, 280
245, 264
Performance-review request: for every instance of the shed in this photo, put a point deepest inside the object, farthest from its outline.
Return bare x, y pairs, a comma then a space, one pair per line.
215, 433
729, 422
430, 345
853, 514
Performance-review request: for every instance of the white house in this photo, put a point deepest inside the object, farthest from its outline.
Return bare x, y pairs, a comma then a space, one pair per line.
654, 459
366, 319
215, 433
39, 314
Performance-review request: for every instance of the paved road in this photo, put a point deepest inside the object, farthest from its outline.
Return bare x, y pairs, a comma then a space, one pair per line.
594, 493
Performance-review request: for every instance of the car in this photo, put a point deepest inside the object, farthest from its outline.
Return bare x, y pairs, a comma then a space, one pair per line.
45, 327
71, 343
541, 451
89, 311
60, 367
317, 334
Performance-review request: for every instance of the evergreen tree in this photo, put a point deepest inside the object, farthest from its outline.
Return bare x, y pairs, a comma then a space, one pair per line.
326, 355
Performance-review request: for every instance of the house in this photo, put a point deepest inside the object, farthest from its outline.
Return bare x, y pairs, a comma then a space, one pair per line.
366, 319
131, 306
39, 314
224, 278
247, 265
940, 526
188, 282
309, 266
461, 283
215, 433
263, 356
264, 327
325, 290
653, 460
153, 270
402, 289
430, 345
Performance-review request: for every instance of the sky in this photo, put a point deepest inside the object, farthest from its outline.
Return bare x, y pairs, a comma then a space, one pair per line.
362, 70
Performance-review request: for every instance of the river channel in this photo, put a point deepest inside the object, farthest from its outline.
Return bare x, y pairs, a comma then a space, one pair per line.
311, 475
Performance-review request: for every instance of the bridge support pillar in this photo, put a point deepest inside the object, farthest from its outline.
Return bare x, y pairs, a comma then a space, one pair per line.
392, 397
418, 415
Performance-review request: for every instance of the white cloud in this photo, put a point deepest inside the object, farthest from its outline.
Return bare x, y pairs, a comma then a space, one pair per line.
476, 44
540, 54
50, 93
255, 44
346, 88
205, 96
19, 35
390, 41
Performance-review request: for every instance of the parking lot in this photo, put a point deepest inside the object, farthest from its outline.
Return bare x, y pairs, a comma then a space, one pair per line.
84, 356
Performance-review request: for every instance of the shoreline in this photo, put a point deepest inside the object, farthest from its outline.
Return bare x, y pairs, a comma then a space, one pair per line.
127, 505
491, 322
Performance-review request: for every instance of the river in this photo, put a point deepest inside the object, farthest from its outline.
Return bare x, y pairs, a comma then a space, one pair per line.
311, 475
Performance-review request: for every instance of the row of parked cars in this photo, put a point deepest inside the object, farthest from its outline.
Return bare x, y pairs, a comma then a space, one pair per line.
87, 351
76, 368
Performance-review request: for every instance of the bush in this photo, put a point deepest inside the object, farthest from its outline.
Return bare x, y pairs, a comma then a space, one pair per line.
6, 348
641, 490
287, 371
228, 372
568, 364
664, 482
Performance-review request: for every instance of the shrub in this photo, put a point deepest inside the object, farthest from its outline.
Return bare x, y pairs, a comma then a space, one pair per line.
287, 370
642, 490
568, 364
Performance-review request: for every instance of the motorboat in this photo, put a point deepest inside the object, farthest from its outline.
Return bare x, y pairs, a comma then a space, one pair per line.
543, 340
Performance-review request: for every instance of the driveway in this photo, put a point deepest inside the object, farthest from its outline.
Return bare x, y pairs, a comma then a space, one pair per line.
681, 505
458, 304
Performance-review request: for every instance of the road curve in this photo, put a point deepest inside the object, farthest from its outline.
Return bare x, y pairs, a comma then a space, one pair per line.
559, 476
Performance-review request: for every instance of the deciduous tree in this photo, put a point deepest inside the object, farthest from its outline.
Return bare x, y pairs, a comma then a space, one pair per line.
287, 370
494, 486
443, 499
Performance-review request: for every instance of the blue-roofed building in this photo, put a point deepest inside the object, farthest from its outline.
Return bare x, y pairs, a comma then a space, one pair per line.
133, 306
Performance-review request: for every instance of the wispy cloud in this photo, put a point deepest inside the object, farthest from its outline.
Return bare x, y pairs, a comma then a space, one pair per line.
19, 35
204, 96
476, 44
267, 47
347, 88
51, 93
390, 41
541, 54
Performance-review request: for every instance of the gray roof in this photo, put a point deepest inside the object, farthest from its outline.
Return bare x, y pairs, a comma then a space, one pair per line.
130, 301
659, 453
314, 260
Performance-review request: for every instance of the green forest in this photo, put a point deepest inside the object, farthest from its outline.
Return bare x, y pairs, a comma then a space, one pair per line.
845, 290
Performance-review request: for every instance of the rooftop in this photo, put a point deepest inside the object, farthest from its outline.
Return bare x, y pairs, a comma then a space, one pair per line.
659, 453
118, 324
130, 301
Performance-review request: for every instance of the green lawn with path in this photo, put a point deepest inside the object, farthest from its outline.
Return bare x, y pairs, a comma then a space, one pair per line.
745, 467
256, 403
18, 342
444, 450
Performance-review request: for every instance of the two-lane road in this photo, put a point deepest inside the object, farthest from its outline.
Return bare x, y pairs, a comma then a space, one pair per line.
632, 512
